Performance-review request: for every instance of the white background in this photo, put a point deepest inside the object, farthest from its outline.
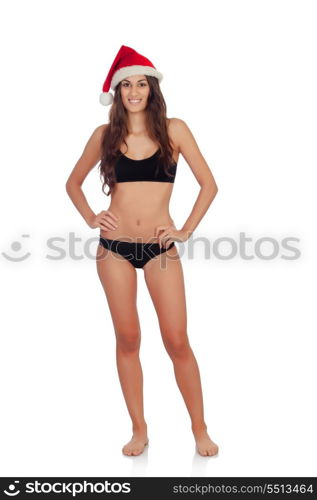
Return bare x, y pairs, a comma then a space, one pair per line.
242, 75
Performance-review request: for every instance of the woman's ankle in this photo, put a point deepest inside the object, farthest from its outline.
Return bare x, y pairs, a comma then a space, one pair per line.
139, 426
199, 427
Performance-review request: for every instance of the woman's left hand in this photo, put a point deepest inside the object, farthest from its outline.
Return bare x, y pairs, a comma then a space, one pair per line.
167, 234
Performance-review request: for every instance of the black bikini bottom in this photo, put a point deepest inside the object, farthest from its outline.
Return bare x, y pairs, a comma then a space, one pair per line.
136, 253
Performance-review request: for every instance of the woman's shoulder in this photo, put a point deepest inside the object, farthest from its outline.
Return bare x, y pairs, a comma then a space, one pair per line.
101, 128
98, 133
176, 128
175, 123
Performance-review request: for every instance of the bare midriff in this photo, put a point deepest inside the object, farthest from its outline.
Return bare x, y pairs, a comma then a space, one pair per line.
141, 207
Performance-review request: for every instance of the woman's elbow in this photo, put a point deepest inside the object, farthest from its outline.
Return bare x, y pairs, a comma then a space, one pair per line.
70, 184
211, 187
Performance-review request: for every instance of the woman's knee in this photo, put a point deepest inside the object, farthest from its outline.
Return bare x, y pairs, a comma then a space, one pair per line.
128, 341
177, 345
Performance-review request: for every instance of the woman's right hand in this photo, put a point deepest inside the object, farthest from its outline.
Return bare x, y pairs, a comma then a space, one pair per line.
105, 220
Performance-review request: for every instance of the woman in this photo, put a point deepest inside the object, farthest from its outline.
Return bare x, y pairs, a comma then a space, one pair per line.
138, 152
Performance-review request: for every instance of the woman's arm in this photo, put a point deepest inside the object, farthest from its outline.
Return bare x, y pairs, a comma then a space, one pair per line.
188, 147
89, 158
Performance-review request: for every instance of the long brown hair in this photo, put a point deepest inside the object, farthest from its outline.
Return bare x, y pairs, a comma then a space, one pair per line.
117, 130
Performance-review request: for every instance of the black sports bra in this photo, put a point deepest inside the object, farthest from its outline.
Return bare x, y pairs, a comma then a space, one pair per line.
129, 170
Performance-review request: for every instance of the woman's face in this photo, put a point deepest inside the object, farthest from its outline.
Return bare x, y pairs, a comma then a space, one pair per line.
134, 92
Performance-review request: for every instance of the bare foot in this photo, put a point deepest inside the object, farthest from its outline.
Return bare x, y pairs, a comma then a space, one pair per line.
137, 444
205, 446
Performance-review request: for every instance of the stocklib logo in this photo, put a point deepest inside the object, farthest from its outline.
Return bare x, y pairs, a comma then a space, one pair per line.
12, 490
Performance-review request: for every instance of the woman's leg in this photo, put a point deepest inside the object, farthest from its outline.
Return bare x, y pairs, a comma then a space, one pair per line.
165, 281
119, 280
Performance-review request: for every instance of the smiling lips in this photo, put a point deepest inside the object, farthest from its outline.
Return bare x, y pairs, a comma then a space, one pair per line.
135, 101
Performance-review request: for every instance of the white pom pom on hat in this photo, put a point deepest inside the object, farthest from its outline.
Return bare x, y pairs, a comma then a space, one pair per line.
106, 98
127, 62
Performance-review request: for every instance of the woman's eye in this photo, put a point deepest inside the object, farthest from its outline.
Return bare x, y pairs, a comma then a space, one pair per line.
127, 84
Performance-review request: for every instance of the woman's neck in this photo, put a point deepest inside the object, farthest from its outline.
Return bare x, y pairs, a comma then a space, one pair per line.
136, 124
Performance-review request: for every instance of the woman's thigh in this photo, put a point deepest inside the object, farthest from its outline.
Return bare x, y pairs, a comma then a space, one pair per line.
119, 280
165, 281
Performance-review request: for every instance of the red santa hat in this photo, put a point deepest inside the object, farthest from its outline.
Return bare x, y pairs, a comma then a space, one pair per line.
127, 62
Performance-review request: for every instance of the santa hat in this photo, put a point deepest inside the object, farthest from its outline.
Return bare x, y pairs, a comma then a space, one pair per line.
127, 62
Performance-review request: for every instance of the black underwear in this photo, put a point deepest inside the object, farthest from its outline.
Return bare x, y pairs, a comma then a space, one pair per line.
136, 253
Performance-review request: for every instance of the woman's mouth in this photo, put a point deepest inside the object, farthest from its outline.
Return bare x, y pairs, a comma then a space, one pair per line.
134, 101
